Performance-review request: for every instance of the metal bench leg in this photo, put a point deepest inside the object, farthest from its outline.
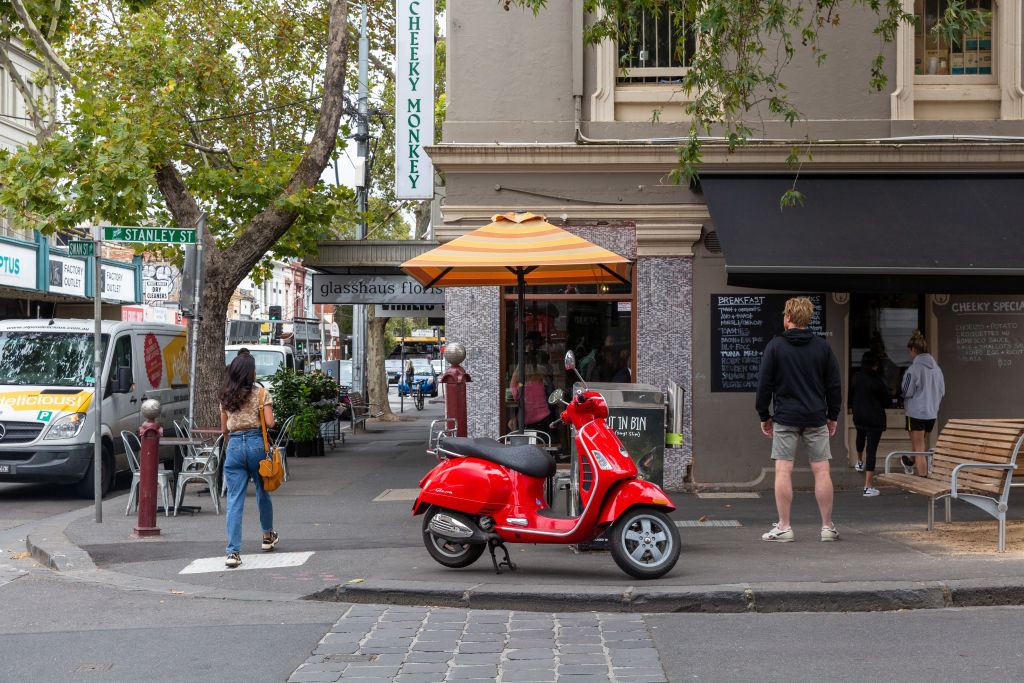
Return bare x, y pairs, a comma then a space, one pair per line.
931, 514
949, 514
1002, 534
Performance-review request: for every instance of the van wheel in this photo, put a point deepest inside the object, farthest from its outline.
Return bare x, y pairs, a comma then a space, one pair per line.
86, 489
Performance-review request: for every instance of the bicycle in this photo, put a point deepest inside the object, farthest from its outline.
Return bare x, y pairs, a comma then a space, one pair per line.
417, 396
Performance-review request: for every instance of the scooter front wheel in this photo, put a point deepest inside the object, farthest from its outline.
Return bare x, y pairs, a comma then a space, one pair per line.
449, 553
644, 543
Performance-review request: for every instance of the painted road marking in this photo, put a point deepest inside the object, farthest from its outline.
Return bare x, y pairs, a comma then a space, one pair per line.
388, 495
730, 494
9, 573
262, 561
707, 522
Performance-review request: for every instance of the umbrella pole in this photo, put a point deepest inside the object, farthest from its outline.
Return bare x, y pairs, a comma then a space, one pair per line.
521, 314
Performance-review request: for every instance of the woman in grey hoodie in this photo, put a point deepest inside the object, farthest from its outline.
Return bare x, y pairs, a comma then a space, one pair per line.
923, 388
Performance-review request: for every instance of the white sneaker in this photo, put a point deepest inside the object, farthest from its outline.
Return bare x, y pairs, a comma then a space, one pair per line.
777, 535
870, 491
859, 466
829, 533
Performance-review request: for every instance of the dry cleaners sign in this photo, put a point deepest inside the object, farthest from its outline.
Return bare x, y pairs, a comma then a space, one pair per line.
373, 289
414, 99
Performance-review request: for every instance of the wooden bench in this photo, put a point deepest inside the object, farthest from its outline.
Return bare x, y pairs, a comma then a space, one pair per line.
973, 461
359, 411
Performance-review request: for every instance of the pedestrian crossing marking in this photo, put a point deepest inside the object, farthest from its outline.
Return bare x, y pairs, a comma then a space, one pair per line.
261, 561
397, 494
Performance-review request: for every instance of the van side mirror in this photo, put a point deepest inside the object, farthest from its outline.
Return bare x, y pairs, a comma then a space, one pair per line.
124, 382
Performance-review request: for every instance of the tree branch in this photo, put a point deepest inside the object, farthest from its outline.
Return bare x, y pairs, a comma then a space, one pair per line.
221, 151
382, 66
40, 40
19, 83
267, 227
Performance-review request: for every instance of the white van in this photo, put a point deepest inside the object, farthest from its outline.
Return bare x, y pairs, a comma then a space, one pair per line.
269, 358
46, 386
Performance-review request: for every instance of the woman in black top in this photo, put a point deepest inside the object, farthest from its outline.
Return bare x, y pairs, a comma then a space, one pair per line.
870, 396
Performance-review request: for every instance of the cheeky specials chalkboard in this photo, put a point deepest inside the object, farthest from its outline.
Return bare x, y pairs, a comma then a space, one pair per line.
741, 327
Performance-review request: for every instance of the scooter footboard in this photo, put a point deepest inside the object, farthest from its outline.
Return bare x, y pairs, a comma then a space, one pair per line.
626, 494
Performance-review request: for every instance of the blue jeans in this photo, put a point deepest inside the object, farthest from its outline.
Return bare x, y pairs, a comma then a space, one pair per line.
242, 463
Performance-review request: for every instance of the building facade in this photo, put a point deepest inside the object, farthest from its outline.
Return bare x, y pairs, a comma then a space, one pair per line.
909, 220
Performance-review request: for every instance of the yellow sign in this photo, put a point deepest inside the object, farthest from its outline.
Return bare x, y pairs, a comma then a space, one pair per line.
35, 399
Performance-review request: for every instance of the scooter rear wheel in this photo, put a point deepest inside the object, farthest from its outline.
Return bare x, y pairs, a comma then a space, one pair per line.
645, 543
449, 553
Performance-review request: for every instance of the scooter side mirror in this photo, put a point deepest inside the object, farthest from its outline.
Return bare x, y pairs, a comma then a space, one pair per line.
556, 396
570, 360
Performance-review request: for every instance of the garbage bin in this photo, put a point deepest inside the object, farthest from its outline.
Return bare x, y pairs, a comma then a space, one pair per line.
636, 413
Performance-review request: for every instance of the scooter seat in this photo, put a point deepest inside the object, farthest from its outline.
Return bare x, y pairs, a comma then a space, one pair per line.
528, 459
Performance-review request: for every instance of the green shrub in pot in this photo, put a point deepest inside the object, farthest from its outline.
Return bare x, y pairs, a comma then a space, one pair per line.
310, 397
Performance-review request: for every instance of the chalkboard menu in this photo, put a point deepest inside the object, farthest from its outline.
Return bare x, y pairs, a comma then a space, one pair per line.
741, 326
980, 348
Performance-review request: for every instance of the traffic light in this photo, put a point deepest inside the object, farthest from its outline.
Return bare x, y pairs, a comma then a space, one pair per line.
274, 312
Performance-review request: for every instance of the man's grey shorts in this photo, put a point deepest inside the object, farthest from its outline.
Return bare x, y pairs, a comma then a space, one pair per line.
786, 437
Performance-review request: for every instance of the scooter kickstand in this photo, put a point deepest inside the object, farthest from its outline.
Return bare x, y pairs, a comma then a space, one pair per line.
507, 562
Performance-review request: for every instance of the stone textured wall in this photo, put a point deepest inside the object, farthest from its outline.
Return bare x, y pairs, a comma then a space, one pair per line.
665, 343
472, 316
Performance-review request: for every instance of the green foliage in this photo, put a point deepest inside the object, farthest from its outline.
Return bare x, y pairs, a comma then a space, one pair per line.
310, 397
227, 93
742, 50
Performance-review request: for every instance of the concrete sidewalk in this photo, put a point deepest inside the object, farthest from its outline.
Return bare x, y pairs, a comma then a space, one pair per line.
346, 526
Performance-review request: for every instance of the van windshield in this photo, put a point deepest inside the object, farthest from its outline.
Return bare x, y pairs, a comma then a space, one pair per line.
267, 362
48, 358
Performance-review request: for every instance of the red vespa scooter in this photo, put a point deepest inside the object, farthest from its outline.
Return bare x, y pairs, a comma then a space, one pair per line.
485, 494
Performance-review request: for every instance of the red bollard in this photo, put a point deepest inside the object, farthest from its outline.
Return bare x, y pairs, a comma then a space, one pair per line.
455, 378
149, 434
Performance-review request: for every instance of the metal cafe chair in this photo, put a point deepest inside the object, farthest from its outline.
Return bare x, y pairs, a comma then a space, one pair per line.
199, 463
132, 449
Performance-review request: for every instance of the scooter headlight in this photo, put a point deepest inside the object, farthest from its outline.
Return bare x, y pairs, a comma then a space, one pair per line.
66, 427
602, 461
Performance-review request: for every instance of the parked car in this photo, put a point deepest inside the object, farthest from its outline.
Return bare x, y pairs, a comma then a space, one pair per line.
393, 368
422, 371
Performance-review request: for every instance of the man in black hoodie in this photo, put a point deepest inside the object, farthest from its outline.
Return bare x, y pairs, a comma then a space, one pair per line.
800, 375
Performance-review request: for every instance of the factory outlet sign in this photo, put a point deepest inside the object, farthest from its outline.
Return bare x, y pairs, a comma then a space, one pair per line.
414, 99
373, 289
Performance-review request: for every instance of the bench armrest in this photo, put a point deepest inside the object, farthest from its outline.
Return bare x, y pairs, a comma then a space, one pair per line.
928, 454
953, 493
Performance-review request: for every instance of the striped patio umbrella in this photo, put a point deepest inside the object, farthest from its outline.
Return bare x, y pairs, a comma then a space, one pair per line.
518, 249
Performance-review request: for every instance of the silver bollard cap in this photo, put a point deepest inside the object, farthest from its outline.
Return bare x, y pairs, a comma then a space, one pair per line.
454, 352
151, 408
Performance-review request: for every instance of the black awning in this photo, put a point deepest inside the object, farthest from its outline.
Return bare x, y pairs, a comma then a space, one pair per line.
940, 233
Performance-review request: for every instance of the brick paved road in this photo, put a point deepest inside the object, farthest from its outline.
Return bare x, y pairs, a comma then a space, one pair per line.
427, 644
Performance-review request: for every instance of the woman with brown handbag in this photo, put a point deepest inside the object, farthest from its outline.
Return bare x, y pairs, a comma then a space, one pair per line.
241, 405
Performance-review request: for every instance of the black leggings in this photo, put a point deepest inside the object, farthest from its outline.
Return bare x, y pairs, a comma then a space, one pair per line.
869, 438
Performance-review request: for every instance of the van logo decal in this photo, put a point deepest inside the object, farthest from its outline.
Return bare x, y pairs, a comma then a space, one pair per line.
154, 361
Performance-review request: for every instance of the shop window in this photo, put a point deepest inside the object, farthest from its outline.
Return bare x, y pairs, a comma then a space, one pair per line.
596, 322
883, 324
934, 56
658, 48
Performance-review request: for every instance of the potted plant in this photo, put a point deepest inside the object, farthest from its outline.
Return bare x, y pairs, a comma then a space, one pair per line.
311, 398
